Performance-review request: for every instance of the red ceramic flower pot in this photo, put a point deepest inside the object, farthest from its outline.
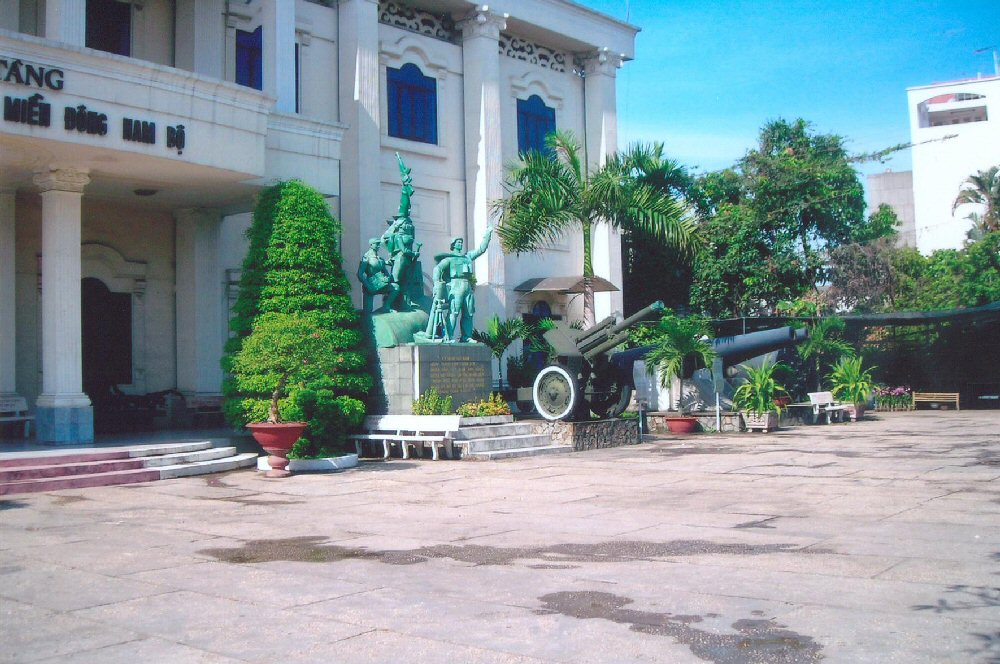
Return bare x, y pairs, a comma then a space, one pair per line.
681, 424
277, 440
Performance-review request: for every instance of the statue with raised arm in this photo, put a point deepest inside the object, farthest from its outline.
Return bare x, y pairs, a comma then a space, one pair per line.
454, 294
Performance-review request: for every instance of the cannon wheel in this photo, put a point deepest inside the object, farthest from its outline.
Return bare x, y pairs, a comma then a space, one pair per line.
556, 393
614, 404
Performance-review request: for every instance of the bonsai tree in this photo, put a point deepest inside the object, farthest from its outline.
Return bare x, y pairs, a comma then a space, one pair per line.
679, 343
849, 382
282, 353
293, 271
758, 395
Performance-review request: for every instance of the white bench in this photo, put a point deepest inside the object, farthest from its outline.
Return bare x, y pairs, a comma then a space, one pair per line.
15, 409
417, 431
822, 403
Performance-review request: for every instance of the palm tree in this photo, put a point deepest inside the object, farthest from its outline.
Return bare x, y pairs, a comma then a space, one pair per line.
824, 346
679, 343
498, 337
983, 188
551, 194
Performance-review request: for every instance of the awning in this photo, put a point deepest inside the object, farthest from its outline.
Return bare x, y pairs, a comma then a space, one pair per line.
564, 285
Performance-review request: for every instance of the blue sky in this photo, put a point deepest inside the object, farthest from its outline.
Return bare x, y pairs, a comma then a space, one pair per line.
708, 74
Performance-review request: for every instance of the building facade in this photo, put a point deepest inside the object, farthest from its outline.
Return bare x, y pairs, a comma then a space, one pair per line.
895, 189
955, 131
136, 134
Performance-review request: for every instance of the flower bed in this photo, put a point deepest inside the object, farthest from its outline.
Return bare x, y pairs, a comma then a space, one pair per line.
888, 399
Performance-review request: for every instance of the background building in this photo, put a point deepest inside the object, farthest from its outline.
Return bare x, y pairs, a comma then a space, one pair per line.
895, 189
955, 129
136, 134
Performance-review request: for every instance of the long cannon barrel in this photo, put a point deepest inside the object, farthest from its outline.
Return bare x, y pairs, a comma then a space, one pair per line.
731, 350
618, 334
739, 348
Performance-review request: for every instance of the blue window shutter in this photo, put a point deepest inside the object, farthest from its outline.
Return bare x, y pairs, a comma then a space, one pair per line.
412, 104
249, 58
535, 121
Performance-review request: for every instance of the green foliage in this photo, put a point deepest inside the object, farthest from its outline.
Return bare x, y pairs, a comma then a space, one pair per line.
849, 382
292, 280
550, 194
521, 371
983, 189
679, 345
432, 403
823, 345
758, 394
947, 278
488, 407
499, 335
881, 224
768, 222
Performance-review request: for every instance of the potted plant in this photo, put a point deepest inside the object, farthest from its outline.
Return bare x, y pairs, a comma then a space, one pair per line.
757, 398
282, 353
292, 286
680, 346
851, 384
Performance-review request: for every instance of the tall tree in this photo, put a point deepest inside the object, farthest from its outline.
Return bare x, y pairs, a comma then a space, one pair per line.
551, 194
771, 219
983, 188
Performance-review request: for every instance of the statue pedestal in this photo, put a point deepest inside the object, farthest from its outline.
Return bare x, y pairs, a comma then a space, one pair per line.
462, 371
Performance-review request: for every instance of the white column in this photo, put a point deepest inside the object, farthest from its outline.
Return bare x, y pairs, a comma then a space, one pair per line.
64, 413
66, 21
483, 145
199, 303
360, 186
8, 328
279, 52
602, 140
200, 37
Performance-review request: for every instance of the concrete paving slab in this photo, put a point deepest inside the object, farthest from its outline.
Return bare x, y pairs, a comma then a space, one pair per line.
875, 541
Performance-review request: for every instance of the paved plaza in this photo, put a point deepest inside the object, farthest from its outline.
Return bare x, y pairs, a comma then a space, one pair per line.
877, 541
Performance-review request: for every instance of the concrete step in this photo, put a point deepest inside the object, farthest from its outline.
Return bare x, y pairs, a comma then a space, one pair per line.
47, 471
50, 457
494, 431
518, 452
478, 445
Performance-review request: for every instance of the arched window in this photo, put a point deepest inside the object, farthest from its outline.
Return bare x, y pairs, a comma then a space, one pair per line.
535, 121
412, 103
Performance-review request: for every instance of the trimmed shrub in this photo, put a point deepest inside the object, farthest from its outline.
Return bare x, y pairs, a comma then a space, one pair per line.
293, 272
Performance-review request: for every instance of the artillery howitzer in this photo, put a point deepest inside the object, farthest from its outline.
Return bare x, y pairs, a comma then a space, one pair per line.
586, 374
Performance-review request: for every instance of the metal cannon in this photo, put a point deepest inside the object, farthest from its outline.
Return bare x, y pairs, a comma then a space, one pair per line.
589, 377
586, 376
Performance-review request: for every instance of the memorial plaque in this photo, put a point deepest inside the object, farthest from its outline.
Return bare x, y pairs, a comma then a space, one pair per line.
461, 371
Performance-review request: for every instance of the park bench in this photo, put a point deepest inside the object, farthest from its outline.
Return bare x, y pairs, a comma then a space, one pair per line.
822, 404
417, 431
936, 397
15, 409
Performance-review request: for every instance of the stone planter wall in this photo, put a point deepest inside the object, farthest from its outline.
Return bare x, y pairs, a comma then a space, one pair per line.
656, 422
590, 435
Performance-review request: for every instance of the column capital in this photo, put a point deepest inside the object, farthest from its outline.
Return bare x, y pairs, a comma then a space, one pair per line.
483, 22
602, 61
62, 179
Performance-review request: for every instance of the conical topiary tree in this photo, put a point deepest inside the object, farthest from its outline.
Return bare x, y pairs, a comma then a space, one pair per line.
293, 268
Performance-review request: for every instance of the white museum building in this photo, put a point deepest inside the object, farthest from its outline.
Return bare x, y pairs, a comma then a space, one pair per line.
136, 134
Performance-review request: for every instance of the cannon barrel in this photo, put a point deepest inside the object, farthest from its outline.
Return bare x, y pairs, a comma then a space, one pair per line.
617, 334
731, 350
594, 334
739, 348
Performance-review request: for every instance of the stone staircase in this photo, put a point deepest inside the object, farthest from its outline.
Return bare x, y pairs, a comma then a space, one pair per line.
33, 472
504, 441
